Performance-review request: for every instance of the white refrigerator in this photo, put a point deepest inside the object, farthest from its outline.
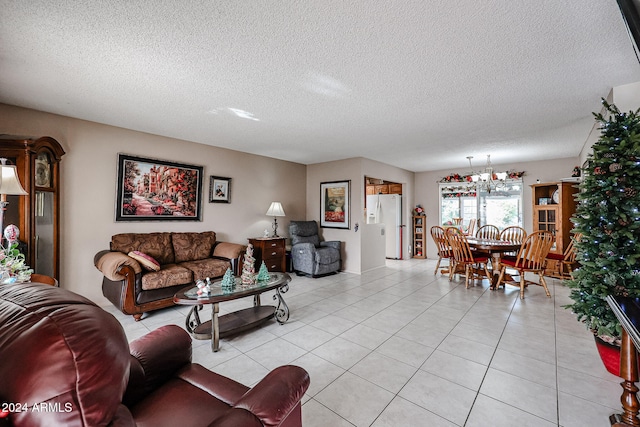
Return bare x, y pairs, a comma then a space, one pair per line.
387, 209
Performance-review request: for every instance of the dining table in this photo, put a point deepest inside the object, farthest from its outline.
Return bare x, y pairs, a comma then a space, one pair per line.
496, 248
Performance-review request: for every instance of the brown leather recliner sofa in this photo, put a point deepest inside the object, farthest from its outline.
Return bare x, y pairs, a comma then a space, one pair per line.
183, 258
69, 361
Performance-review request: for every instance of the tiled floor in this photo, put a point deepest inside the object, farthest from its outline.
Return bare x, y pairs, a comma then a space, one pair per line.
403, 347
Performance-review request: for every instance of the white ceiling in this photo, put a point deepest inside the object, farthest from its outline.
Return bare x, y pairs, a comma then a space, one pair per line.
416, 84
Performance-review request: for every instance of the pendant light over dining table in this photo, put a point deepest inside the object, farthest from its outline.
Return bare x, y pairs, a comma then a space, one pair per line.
487, 180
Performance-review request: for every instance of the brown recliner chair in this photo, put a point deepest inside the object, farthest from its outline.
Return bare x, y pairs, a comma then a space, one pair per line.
69, 362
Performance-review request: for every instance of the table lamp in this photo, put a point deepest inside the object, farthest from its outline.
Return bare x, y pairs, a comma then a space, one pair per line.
275, 210
9, 185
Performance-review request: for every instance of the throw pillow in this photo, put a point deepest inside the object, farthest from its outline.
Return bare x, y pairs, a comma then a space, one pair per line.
145, 260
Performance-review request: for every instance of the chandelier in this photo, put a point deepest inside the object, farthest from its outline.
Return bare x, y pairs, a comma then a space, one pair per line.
487, 180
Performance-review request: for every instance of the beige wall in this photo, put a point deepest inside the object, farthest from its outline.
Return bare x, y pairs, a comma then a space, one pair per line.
88, 178
355, 170
342, 170
426, 186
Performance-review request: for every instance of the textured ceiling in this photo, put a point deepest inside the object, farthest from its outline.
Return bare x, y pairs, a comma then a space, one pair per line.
415, 84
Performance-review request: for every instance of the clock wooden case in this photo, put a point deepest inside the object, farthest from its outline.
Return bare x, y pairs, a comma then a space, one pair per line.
38, 214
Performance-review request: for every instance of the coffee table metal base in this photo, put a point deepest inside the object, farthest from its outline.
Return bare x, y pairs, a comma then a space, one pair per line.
237, 321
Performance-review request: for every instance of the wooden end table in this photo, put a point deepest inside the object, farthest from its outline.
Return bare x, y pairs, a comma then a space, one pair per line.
237, 321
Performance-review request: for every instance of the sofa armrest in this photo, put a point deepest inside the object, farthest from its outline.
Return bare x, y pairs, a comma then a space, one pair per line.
233, 252
155, 358
335, 244
110, 263
276, 395
303, 248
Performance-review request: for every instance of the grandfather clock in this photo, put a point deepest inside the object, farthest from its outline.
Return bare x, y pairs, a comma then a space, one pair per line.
37, 214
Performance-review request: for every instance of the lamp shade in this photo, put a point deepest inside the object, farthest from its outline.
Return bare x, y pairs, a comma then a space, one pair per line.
9, 183
275, 209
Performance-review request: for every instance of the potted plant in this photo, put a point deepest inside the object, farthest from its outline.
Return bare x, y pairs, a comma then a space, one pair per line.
608, 216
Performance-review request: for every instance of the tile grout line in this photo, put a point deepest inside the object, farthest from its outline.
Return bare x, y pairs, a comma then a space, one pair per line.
514, 302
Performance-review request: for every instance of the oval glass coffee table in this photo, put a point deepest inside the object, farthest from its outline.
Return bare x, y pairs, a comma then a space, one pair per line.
237, 321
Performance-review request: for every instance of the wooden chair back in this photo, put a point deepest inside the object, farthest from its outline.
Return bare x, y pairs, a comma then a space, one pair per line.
444, 250
462, 253
569, 255
513, 234
471, 228
463, 259
439, 237
488, 232
533, 251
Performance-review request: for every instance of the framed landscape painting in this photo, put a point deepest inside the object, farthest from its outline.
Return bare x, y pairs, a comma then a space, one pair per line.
158, 190
334, 204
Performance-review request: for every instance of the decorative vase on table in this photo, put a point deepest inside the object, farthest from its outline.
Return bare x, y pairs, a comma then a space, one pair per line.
13, 266
608, 217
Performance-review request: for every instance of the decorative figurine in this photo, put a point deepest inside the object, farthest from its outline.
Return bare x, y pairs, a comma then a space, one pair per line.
249, 268
203, 289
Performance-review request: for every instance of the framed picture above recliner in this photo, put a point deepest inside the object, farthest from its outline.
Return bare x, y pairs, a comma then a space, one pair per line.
335, 204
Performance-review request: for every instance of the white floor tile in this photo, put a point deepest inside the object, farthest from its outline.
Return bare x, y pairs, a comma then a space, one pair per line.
355, 399
400, 346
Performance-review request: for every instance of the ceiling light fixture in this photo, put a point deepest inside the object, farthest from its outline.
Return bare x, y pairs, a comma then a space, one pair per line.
487, 180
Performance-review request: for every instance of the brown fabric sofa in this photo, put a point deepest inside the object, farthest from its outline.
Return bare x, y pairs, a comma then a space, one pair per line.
69, 361
183, 258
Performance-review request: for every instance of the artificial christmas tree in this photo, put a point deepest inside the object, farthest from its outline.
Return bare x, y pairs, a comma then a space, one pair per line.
609, 219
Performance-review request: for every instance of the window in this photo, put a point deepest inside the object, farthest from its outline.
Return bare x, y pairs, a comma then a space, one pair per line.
501, 208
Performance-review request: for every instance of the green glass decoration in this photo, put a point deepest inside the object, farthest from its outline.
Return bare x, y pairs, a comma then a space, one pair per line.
228, 280
263, 273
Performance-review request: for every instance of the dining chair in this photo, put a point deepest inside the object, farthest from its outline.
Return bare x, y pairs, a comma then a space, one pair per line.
513, 233
488, 232
41, 278
444, 250
567, 260
531, 258
464, 259
470, 229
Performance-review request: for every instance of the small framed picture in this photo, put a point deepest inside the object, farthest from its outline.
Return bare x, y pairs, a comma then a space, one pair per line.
219, 189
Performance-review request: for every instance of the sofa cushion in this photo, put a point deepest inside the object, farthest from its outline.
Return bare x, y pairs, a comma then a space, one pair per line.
145, 260
169, 275
156, 245
192, 246
204, 268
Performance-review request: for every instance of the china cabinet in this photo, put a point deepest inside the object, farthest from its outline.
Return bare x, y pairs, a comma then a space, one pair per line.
553, 205
37, 214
